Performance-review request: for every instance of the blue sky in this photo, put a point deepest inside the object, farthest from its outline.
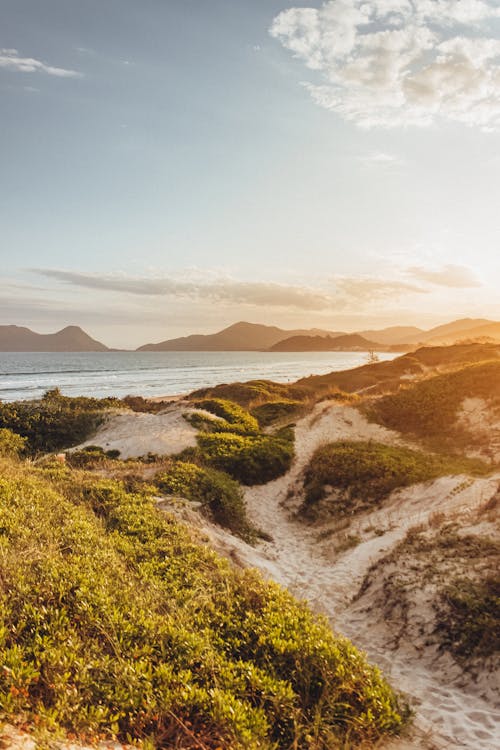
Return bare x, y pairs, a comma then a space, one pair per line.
171, 166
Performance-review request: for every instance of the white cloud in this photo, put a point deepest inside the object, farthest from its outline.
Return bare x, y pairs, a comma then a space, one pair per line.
366, 290
339, 293
10, 60
451, 275
396, 62
218, 289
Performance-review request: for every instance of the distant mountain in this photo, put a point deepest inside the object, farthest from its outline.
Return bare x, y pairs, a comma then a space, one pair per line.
394, 335
237, 337
69, 339
348, 342
443, 334
457, 330
487, 332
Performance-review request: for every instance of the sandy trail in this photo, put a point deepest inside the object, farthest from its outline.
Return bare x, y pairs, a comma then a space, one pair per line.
295, 558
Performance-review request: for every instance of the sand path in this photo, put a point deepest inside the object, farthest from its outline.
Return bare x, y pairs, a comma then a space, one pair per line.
295, 558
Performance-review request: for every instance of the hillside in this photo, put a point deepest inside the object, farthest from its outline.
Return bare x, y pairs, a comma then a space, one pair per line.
347, 342
69, 339
394, 335
120, 624
457, 328
237, 337
488, 331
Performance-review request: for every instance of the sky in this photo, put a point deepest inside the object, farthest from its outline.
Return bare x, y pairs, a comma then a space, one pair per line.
174, 166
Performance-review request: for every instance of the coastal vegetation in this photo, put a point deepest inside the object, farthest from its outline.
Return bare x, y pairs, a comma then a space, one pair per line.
428, 409
359, 475
232, 442
115, 623
456, 575
55, 421
216, 491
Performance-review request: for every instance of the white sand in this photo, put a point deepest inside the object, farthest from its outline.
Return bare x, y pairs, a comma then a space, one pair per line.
137, 434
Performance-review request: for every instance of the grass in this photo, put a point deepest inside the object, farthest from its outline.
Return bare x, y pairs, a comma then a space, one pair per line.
11, 444
467, 605
364, 473
428, 410
113, 623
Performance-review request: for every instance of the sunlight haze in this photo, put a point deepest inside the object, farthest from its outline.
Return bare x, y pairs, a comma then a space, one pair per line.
173, 167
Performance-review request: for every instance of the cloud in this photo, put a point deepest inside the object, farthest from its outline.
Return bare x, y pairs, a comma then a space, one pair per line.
451, 275
365, 289
395, 62
339, 294
222, 290
10, 60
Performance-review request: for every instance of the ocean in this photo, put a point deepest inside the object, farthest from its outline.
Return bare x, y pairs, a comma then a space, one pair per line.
27, 375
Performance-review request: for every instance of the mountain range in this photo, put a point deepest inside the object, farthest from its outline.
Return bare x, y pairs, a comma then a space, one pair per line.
69, 339
245, 336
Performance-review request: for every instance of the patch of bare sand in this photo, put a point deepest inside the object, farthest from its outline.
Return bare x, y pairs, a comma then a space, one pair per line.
137, 434
482, 421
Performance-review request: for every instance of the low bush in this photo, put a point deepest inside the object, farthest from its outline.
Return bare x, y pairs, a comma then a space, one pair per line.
366, 472
232, 417
92, 456
215, 490
277, 411
114, 624
251, 459
469, 617
55, 421
255, 392
11, 444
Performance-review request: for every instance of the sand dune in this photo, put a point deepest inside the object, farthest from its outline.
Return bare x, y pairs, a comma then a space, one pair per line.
450, 713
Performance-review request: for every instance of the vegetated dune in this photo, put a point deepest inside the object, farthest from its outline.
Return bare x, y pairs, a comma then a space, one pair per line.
406, 568
119, 624
458, 410
327, 562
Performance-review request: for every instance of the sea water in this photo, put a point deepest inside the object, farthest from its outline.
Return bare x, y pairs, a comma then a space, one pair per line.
27, 375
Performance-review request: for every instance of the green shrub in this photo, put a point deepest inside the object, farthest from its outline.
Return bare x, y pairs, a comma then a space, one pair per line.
255, 392
11, 444
469, 617
275, 411
55, 421
232, 417
222, 495
366, 472
251, 459
113, 623
91, 456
